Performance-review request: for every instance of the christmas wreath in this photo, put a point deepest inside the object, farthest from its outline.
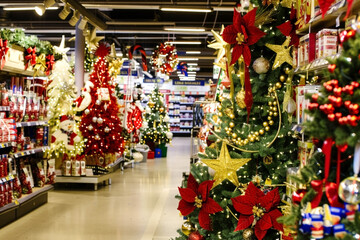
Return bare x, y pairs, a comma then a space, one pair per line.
164, 58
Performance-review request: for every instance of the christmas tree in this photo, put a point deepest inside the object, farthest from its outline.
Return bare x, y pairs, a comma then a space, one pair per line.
61, 92
100, 124
253, 143
325, 204
156, 121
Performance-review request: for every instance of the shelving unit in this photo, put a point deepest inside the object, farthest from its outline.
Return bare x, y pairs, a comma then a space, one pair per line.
30, 151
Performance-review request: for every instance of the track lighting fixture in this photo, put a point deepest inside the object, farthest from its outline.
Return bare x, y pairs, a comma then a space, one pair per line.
82, 23
75, 18
40, 10
65, 12
49, 3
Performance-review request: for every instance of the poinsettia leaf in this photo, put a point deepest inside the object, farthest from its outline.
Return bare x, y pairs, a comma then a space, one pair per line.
254, 35
265, 222
211, 206
275, 214
252, 190
237, 21
192, 184
285, 28
204, 189
236, 15
249, 18
270, 200
260, 234
204, 220
187, 194
247, 55
294, 38
244, 222
293, 14
185, 208
229, 34
244, 204
236, 53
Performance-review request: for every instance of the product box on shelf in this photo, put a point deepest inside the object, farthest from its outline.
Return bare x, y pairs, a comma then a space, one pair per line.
67, 168
326, 42
302, 102
75, 168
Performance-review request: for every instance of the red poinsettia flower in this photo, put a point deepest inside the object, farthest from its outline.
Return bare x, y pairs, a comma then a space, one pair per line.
258, 209
197, 196
289, 27
242, 33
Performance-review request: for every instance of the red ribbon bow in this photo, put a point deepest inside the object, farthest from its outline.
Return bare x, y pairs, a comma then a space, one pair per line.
331, 189
30, 57
50, 60
3, 51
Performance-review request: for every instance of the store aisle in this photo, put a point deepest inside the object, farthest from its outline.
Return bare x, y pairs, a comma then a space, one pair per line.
139, 205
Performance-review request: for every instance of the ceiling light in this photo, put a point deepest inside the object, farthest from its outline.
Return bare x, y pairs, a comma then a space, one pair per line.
187, 59
192, 64
82, 23
182, 9
193, 52
23, 8
49, 3
183, 42
192, 73
40, 10
75, 18
184, 29
65, 12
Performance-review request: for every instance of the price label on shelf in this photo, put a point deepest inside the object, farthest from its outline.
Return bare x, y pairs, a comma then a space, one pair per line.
16, 202
22, 153
33, 151
28, 124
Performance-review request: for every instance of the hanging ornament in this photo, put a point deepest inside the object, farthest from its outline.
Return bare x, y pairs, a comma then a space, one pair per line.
90, 127
188, 228
298, 196
195, 236
218, 44
98, 102
268, 160
151, 104
248, 234
169, 135
282, 53
87, 111
94, 119
161, 109
240, 98
100, 120
97, 137
291, 106
107, 129
165, 58
261, 65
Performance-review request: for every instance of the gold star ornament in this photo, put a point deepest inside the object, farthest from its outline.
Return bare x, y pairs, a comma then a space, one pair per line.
225, 167
218, 44
282, 53
92, 40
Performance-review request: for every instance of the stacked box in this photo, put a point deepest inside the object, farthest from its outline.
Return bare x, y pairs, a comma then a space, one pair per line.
326, 42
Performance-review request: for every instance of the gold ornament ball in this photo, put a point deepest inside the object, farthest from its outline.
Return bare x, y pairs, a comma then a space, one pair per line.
282, 78
221, 98
257, 138
275, 114
161, 109
267, 128
187, 228
278, 85
256, 133
239, 139
261, 131
271, 122
227, 129
228, 132
246, 141
232, 124
271, 113
287, 70
219, 107
220, 114
268, 160
269, 118
274, 103
232, 116
248, 234
252, 139
265, 124
234, 135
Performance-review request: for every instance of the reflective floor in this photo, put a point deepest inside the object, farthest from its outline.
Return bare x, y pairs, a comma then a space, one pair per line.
139, 205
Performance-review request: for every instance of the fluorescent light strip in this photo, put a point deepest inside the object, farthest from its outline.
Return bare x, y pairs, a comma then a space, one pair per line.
193, 52
192, 64
188, 42
25, 8
184, 29
187, 59
169, 9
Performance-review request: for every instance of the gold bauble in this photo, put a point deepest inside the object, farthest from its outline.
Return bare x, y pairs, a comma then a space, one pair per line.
265, 124
232, 116
248, 234
287, 70
252, 139
267, 128
188, 228
240, 98
261, 131
282, 78
151, 104
227, 129
275, 114
246, 141
257, 138
234, 135
239, 139
256, 133
215, 118
271, 122
268, 160
228, 132
271, 113
270, 103
278, 85
269, 118
219, 107
274, 103
220, 114
221, 98
161, 109
231, 124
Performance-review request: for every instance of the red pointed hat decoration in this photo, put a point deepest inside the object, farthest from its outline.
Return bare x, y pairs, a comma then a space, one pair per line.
143, 54
103, 50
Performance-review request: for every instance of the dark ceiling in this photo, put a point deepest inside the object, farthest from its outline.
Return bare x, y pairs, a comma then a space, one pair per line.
129, 23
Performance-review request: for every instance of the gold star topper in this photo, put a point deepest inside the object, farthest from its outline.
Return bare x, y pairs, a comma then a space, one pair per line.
282, 53
225, 167
218, 44
92, 40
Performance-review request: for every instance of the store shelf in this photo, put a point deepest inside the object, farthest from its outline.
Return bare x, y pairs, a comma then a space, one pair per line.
96, 179
186, 111
5, 144
174, 125
186, 119
30, 151
181, 132
329, 20
316, 66
186, 103
4, 108
29, 124
186, 127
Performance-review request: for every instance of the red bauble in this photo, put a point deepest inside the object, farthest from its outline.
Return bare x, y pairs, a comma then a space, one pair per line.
352, 120
331, 68
347, 104
355, 84
338, 115
331, 117
195, 236
313, 106
337, 91
351, 33
338, 102
328, 88
298, 196
315, 97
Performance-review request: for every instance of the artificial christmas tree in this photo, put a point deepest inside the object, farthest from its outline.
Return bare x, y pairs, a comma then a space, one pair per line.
100, 124
61, 93
156, 122
254, 145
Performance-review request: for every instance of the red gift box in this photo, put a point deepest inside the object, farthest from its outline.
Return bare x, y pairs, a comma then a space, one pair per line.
151, 155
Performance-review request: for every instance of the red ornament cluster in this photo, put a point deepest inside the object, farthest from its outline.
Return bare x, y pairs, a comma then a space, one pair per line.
335, 102
165, 58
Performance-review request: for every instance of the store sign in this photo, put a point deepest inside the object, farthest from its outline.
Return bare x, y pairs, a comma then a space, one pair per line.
189, 83
153, 80
125, 72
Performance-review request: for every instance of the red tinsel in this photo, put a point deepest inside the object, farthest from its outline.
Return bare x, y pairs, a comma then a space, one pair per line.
165, 58
101, 125
3, 51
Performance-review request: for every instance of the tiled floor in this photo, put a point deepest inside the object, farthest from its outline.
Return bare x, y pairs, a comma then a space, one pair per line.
139, 205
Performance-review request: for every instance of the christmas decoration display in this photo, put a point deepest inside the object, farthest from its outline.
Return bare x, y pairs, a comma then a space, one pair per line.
251, 144
91, 43
115, 63
328, 204
100, 125
164, 59
61, 92
289, 27
143, 55
155, 113
182, 67
3, 51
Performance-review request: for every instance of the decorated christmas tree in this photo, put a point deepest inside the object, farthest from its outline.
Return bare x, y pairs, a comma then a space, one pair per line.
252, 139
66, 139
325, 204
156, 121
100, 124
